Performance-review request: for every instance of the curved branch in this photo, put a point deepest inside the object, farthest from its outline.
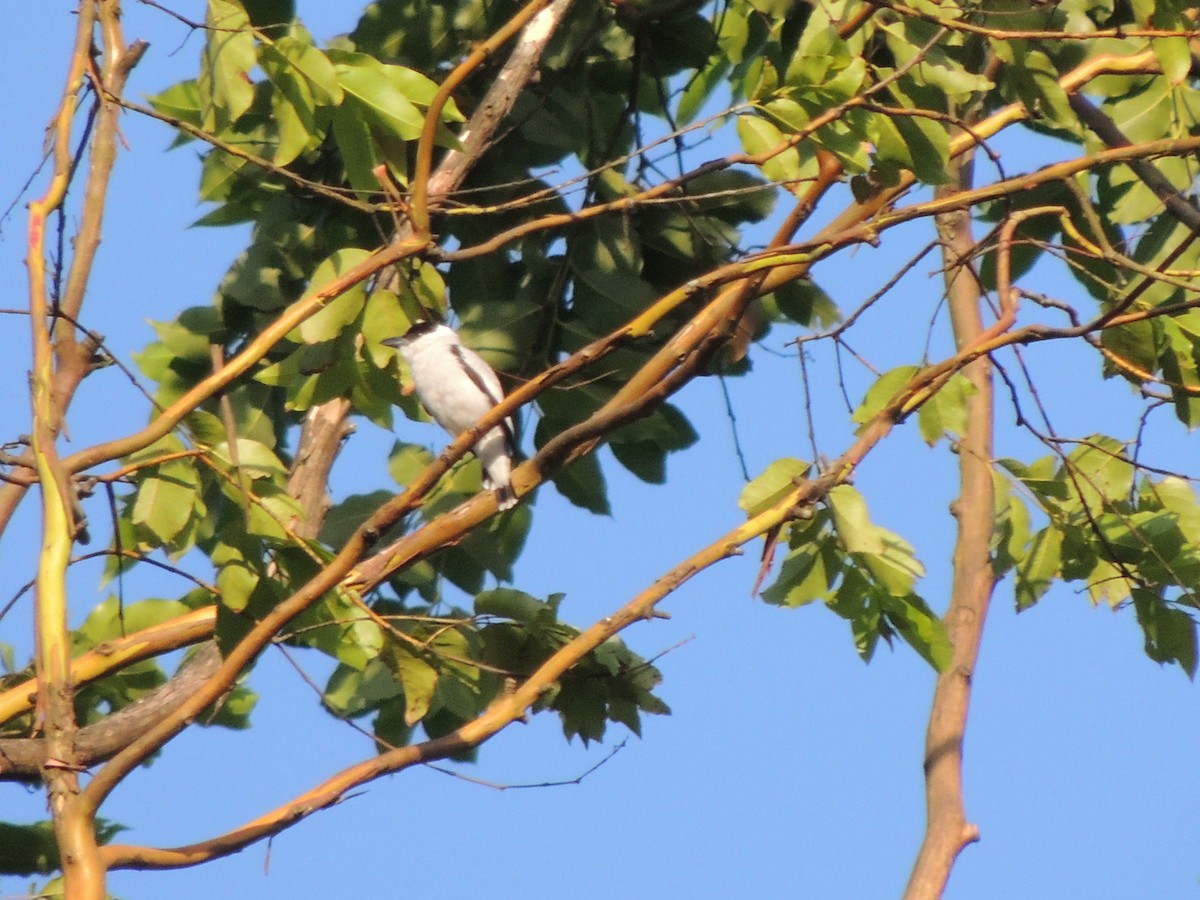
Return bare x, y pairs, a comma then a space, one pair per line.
21, 759
509, 707
116, 654
539, 30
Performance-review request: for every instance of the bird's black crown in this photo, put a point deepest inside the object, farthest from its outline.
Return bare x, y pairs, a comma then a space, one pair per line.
419, 329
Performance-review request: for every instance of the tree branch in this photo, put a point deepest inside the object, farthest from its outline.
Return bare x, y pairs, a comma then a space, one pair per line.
116, 654
73, 831
1106, 129
317, 451
511, 707
947, 829
22, 758
326, 426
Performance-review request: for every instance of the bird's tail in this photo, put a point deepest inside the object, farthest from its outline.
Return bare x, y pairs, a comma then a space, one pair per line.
506, 496
498, 477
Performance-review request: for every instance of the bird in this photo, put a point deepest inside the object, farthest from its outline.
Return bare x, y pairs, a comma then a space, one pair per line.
458, 388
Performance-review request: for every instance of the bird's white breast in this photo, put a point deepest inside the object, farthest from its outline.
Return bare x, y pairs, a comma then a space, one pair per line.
445, 388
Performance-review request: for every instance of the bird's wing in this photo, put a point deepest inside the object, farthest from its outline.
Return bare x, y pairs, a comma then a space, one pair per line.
485, 379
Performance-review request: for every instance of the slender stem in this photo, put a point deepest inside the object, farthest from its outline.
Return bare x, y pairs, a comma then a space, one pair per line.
424, 161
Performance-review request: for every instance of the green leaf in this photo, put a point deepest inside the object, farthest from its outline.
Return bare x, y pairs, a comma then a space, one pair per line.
345, 517
804, 302
1179, 367
882, 391
1170, 633
776, 482
378, 92
1039, 567
272, 511
254, 459
236, 581
1042, 477
808, 572
759, 136
854, 527
646, 460
295, 121
895, 568
1011, 531
642, 446
1102, 473
270, 15
1032, 76
1177, 496
582, 482
407, 461
666, 427
614, 297
606, 245
1136, 344
33, 849
509, 603
855, 600
936, 66
165, 499
304, 79
498, 543
732, 196
1172, 52
220, 175
390, 728
28, 849
355, 692
340, 312
109, 620
582, 706
418, 678
920, 628
702, 85
888, 557
308, 62
191, 336
181, 101
383, 318
914, 143
232, 710
357, 149
946, 411
228, 56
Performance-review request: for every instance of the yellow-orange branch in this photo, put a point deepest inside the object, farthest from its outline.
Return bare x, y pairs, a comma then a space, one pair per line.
113, 655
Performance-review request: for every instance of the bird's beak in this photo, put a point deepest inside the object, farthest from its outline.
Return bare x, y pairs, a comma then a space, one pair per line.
395, 342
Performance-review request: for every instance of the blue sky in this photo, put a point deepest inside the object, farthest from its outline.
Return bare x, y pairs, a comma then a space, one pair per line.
788, 767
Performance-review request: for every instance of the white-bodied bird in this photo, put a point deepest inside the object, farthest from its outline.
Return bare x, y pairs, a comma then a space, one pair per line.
458, 388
